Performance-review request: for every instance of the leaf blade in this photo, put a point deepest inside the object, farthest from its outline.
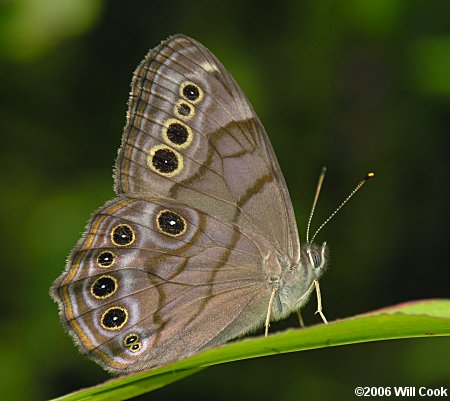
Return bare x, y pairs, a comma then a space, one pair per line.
415, 319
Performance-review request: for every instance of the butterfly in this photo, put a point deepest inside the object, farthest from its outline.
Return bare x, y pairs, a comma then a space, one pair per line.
200, 245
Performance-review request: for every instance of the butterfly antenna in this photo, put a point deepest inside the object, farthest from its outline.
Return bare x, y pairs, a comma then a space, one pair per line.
316, 196
357, 188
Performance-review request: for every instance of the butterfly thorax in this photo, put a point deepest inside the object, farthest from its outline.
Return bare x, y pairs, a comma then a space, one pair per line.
295, 284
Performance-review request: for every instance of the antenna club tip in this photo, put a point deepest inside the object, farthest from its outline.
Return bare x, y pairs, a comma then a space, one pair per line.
369, 175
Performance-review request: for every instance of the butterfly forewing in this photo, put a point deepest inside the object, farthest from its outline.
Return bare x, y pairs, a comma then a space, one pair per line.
216, 158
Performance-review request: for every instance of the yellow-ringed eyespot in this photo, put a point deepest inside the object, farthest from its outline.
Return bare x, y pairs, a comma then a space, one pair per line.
171, 223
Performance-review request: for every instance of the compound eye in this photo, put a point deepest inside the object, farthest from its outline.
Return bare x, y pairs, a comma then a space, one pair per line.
314, 258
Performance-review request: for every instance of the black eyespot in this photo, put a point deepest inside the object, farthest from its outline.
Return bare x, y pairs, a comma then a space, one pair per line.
106, 259
165, 161
114, 318
191, 92
177, 133
104, 287
136, 347
122, 235
130, 339
184, 109
171, 223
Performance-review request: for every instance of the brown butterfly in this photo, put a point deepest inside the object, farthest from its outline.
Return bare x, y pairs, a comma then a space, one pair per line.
200, 245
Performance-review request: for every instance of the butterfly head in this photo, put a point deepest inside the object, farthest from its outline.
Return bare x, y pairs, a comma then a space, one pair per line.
315, 258
297, 281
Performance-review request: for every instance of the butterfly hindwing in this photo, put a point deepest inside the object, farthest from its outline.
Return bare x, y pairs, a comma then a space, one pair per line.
161, 271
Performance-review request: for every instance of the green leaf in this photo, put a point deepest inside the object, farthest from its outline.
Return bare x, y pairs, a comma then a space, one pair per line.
414, 319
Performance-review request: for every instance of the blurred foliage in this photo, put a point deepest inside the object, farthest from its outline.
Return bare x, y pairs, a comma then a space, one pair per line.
30, 28
354, 85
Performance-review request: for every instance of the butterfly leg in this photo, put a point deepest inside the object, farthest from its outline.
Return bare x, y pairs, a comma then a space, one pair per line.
300, 318
269, 311
319, 302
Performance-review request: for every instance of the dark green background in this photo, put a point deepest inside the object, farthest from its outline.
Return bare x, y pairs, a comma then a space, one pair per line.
353, 85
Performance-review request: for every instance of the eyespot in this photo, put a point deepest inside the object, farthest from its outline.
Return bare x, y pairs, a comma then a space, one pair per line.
122, 235
104, 287
177, 134
106, 259
135, 347
191, 92
171, 223
114, 318
130, 339
184, 110
165, 161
